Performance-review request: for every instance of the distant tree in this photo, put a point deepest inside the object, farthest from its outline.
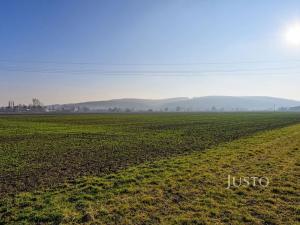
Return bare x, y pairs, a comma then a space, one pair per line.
36, 102
85, 109
283, 109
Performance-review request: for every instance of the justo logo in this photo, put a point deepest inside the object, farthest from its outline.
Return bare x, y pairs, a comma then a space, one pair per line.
246, 182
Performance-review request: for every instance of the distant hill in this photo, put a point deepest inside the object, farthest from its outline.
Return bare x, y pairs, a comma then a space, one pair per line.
229, 103
295, 109
130, 103
208, 103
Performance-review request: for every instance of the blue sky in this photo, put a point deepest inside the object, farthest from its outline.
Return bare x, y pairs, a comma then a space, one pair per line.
70, 51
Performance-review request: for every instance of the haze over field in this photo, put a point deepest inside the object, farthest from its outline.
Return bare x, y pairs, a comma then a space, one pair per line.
61, 51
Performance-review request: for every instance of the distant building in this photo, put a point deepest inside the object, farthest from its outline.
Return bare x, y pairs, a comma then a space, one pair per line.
36, 107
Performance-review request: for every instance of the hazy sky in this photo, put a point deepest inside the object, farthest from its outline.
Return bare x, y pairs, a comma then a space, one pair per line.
70, 51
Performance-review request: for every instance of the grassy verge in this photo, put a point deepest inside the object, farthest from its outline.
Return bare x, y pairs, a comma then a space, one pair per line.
188, 189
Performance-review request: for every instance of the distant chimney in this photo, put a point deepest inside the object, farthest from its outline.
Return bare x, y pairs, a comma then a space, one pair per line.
11, 104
